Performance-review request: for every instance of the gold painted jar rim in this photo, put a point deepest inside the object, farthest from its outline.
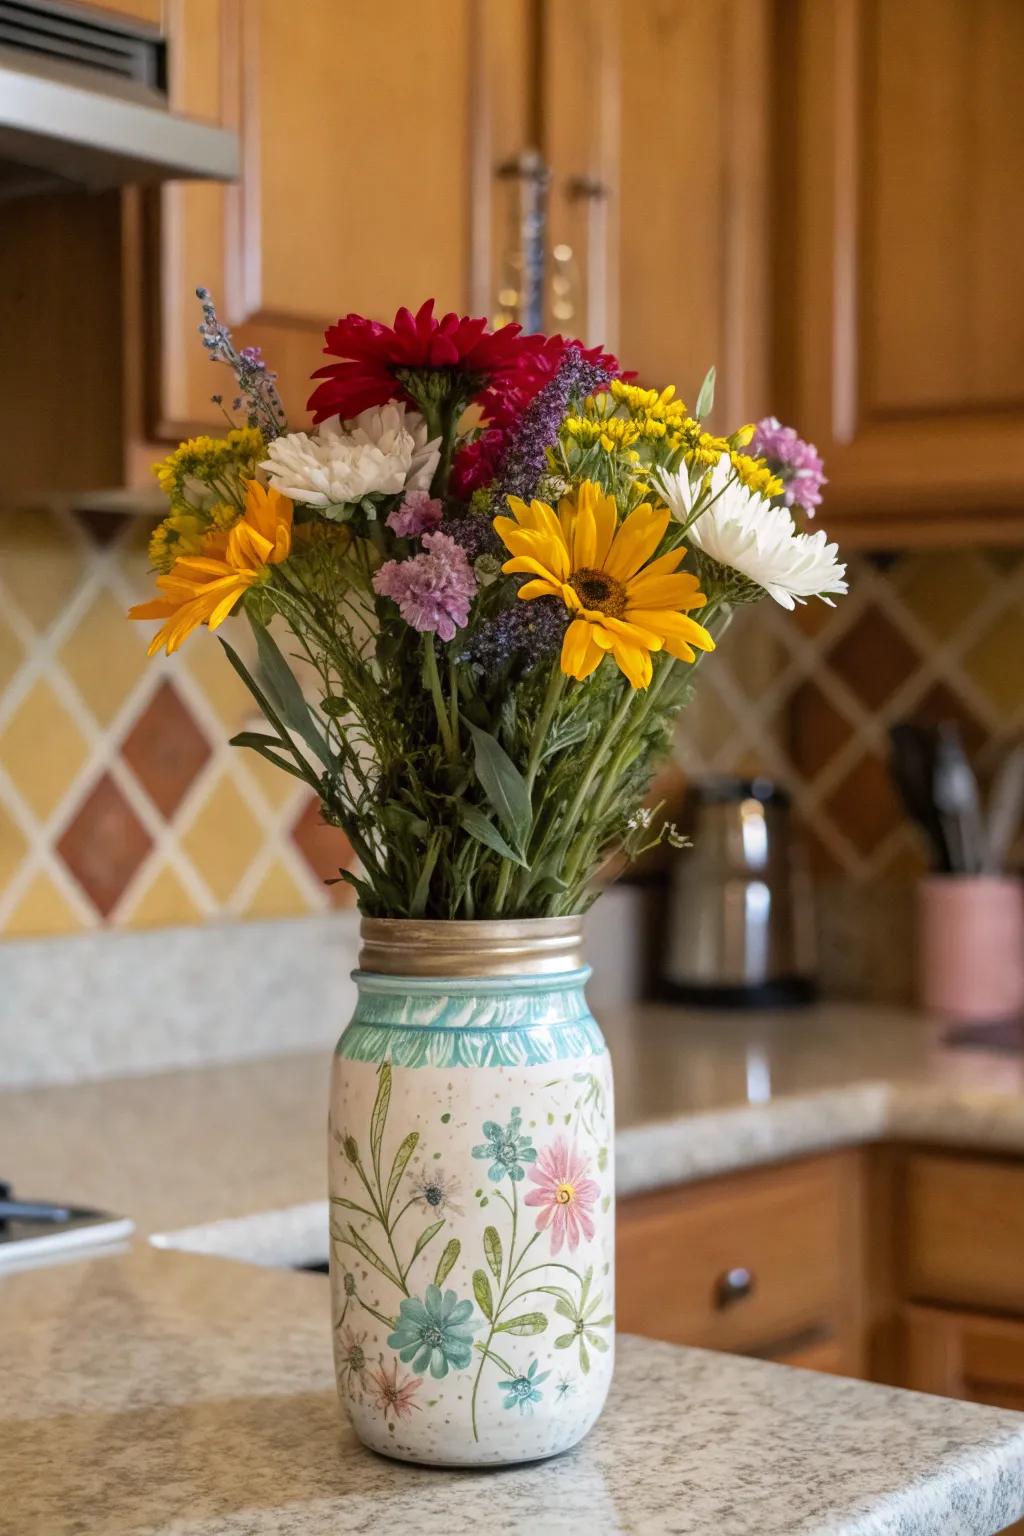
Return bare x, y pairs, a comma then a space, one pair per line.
527, 946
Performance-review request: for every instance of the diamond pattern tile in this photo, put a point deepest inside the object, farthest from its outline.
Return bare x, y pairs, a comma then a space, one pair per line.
940, 588
996, 663
163, 901
864, 805
40, 563
104, 845
11, 654
102, 631
279, 894
326, 850
818, 730
42, 749
166, 749
223, 839
873, 658
13, 848
43, 908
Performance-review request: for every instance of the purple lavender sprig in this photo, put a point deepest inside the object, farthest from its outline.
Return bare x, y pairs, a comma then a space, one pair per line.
524, 457
257, 386
527, 633
798, 464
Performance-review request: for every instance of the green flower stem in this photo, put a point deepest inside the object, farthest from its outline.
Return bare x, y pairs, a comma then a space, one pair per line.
513, 1206
388, 1322
552, 698
434, 683
608, 736
488, 1354
378, 1206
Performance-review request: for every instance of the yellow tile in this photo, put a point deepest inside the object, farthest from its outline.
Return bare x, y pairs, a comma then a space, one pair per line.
942, 589
41, 749
13, 847
11, 654
274, 784
279, 895
220, 684
996, 663
162, 903
41, 563
42, 909
224, 838
104, 656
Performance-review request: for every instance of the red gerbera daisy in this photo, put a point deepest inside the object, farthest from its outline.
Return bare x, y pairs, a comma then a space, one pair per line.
374, 354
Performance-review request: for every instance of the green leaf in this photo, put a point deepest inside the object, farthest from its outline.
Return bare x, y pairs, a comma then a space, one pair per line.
596, 1342
446, 1262
350, 1205
524, 1327
418, 905
492, 1250
425, 1237
362, 1246
287, 695
706, 395
482, 1292
556, 1290
565, 1308
402, 1157
380, 1113
585, 1289
503, 784
271, 713
564, 1340
478, 826
265, 746
584, 1358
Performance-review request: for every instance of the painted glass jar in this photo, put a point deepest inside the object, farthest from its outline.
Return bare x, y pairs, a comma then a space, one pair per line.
472, 1200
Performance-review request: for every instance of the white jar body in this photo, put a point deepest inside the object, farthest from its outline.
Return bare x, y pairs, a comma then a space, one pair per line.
472, 1218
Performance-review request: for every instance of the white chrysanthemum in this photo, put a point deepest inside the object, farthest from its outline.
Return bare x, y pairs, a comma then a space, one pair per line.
382, 452
743, 532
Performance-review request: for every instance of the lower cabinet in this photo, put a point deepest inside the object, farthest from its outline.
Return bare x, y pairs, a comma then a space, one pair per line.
767, 1262
964, 1354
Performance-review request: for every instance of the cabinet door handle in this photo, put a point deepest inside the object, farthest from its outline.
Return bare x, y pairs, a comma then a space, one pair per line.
732, 1286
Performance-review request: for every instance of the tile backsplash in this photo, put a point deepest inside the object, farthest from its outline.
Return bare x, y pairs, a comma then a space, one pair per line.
121, 803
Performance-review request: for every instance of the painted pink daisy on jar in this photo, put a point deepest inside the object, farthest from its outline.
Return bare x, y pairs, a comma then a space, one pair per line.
564, 1194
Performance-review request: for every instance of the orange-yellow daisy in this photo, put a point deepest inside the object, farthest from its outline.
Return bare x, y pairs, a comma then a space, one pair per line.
623, 602
204, 588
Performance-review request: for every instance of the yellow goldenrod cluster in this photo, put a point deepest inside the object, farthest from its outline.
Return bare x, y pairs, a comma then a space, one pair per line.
180, 534
218, 464
756, 475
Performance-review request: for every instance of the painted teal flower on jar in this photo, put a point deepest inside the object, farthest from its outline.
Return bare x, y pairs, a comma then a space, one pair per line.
507, 1148
434, 1333
522, 1391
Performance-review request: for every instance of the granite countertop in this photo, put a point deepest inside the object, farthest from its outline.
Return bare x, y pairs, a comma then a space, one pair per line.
696, 1094
162, 1392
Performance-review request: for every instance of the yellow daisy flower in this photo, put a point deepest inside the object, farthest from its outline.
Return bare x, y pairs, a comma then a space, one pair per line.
204, 588
623, 602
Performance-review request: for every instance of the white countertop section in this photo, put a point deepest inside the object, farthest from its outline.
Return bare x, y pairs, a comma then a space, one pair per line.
163, 1392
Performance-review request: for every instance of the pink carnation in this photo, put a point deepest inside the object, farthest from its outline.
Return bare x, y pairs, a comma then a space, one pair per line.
565, 1194
433, 590
798, 464
419, 513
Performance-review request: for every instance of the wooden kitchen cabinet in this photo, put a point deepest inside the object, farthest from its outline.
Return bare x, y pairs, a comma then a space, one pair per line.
656, 129
766, 1262
368, 143
963, 1230
899, 312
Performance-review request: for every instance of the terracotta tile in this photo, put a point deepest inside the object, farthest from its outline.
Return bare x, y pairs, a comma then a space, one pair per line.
104, 845
864, 805
996, 663
43, 908
941, 704
166, 749
40, 563
326, 850
103, 527
162, 903
41, 749
104, 657
224, 838
873, 658
817, 730
13, 848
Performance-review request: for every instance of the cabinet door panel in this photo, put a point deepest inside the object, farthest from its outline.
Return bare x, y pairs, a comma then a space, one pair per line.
901, 322
964, 1230
368, 143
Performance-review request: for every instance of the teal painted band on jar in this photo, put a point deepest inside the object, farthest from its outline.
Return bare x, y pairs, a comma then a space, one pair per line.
507, 1021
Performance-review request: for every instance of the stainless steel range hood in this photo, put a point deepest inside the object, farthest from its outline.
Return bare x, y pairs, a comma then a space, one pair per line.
83, 103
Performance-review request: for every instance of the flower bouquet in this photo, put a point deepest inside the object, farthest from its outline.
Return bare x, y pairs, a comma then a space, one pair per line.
479, 586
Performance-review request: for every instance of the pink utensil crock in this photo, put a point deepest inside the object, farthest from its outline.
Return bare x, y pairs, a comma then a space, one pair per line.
971, 946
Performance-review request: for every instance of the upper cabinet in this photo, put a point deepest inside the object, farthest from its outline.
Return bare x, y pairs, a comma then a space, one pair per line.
369, 133
899, 225
655, 121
